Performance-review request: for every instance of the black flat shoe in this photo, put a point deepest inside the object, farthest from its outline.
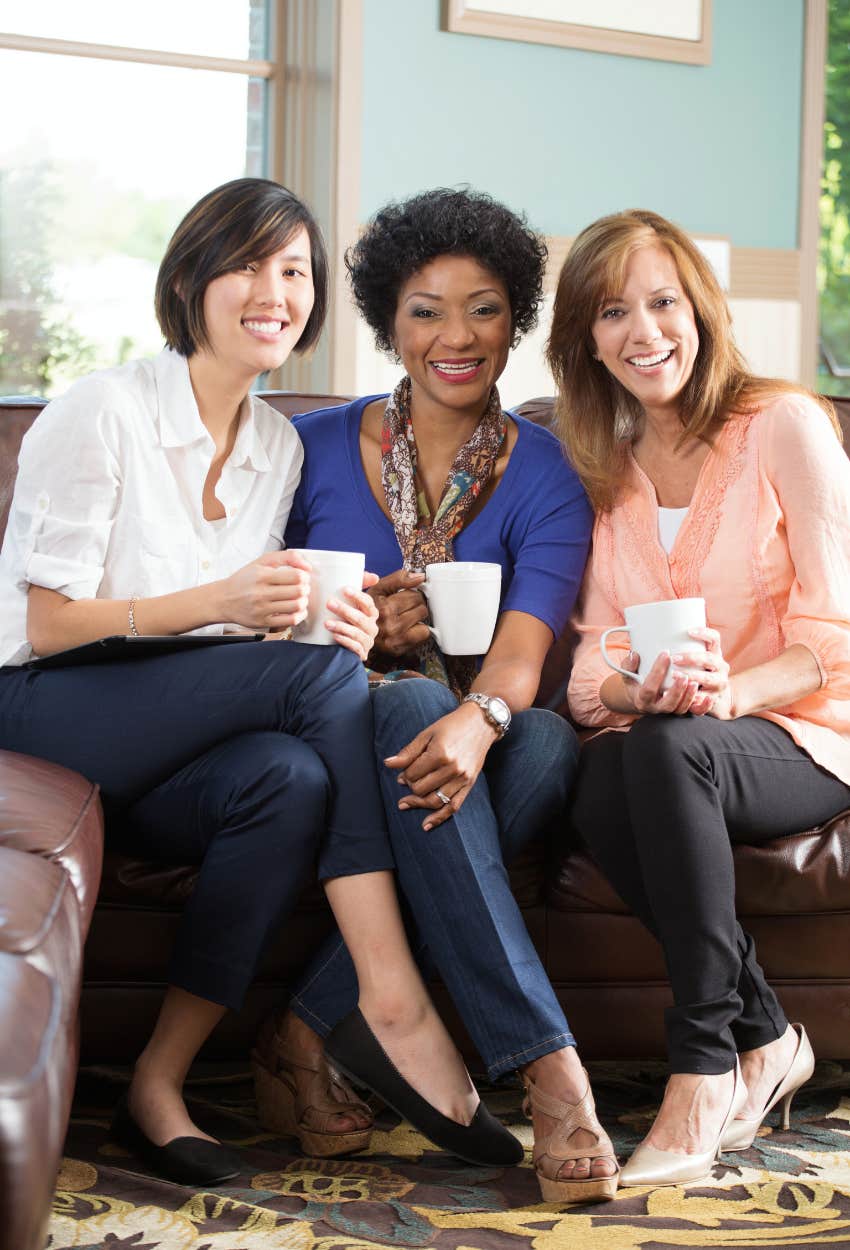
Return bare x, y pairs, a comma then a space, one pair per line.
358, 1054
186, 1160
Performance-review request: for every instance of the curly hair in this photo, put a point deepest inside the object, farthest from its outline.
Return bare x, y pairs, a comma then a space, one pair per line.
402, 238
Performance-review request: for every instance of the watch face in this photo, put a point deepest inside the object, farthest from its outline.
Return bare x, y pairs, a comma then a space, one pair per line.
499, 711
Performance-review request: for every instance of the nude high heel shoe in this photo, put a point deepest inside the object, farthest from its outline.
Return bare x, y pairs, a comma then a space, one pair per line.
651, 1166
740, 1134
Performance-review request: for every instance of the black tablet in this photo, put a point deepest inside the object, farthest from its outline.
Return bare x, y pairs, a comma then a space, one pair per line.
130, 647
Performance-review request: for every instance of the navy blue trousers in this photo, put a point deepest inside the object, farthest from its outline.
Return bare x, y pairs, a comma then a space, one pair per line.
251, 760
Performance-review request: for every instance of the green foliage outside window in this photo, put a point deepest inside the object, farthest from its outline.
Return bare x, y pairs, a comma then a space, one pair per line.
834, 254
50, 214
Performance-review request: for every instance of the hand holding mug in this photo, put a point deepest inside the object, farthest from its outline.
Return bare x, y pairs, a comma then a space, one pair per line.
334, 581
712, 672
676, 665
662, 691
402, 612
354, 623
663, 627
269, 593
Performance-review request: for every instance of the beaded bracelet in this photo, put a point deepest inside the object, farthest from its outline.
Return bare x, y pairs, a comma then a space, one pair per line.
131, 616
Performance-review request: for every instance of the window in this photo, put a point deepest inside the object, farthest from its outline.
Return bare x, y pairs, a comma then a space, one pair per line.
104, 146
834, 253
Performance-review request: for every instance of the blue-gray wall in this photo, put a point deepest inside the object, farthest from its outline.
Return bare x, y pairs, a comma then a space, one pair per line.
570, 135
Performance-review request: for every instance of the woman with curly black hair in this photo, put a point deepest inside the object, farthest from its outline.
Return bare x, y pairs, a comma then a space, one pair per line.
448, 281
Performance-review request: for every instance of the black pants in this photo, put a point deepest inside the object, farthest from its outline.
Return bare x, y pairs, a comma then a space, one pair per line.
659, 808
251, 760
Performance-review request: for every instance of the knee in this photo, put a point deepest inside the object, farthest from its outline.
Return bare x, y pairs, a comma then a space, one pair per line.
403, 708
548, 740
337, 666
656, 743
283, 780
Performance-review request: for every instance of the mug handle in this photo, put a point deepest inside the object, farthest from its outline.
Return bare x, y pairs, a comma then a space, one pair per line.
432, 629
616, 629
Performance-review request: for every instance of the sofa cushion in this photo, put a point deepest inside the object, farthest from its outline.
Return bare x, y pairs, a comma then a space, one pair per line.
50, 811
805, 873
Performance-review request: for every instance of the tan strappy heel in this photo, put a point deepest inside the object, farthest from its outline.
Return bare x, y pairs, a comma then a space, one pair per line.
281, 1110
553, 1152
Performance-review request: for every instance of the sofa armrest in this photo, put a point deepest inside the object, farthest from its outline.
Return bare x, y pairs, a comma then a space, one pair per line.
51, 811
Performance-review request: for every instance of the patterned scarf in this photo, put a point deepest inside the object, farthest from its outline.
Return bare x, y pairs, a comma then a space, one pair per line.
429, 540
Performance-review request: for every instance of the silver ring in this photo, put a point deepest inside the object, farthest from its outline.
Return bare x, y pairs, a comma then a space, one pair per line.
444, 798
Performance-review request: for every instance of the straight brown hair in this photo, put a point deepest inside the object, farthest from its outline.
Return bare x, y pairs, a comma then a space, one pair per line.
244, 220
596, 416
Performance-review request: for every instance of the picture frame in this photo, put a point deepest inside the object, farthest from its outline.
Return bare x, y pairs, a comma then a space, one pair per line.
622, 27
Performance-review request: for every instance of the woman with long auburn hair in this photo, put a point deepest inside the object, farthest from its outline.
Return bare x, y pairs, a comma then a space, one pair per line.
708, 483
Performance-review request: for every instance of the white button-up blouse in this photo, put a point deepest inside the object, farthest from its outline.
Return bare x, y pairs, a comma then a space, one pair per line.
108, 497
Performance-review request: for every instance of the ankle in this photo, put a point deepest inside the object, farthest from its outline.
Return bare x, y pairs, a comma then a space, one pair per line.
296, 1035
559, 1073
760, 1054
149, 1079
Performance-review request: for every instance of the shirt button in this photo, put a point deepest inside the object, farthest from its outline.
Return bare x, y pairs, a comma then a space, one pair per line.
43, 503
205, 564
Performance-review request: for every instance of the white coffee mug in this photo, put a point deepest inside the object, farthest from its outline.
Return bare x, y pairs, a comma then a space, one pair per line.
657, 627
333, 572
463, 598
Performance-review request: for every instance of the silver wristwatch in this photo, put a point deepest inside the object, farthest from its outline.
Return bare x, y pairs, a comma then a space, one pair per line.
496, 710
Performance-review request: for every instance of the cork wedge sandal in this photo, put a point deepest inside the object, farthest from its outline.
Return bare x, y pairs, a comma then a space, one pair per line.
281, 1110
552, 1152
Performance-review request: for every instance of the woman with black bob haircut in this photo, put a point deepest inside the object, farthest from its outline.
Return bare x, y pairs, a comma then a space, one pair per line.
234, 226
448, 281
152, 500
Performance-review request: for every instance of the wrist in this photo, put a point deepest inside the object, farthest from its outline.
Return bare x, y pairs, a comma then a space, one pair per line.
736, 698
616, 693
212, 602
495, 711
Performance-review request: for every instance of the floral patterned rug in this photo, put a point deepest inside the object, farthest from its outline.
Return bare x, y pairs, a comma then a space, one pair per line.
788, 1189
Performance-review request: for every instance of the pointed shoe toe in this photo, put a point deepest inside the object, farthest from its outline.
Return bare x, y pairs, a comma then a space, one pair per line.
191, 1161
651, 1166
357, 1054
741, 1134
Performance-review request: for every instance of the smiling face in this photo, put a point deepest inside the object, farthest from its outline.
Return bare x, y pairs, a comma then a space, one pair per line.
452, 330
256, 314
647, 337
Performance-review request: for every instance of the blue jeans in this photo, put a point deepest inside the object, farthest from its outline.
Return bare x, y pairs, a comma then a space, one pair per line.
455, 884
250, 760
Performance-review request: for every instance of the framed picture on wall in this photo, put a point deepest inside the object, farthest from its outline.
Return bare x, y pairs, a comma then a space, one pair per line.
665, 30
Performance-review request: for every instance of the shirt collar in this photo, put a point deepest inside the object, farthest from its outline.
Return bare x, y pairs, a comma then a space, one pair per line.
249, 447
177, 411
180, 423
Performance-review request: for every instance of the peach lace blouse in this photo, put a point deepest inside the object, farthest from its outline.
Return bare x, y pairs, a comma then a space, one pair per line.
766, 543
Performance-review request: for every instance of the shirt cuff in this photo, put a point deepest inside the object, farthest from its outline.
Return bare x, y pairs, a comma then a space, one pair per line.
71, 578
